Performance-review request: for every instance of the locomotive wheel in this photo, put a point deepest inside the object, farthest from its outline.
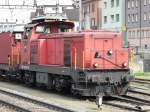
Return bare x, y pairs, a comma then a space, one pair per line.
29, 79
58, 85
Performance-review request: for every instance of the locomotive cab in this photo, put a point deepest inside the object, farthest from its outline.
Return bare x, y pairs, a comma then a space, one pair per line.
35, 31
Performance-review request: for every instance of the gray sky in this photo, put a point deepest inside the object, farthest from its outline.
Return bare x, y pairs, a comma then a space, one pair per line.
24, 14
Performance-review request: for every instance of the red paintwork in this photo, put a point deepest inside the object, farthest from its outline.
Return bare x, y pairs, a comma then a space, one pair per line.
48, 49
43, 56
102, 42
9, 48
5, 47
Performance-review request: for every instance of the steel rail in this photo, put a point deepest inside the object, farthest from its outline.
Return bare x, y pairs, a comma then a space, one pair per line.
139, 103
138, 99
14, 107
35, 101
143, 81
122, 106
143, 92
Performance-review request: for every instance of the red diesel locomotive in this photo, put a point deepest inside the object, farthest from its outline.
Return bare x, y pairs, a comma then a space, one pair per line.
88, 63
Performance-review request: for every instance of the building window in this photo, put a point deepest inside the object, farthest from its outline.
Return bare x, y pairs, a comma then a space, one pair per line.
105, 19
142, 33
93, 22
105, 5
147, 33
83, 10
136, 17
148, 1
117, 3
128, 4
117, 18
112, 3
145, 2
145, 16
133, 34
136, 3
112, 18
93, 7
132, 4
129, 34
129, 17
88, 9
133, 17
149, 16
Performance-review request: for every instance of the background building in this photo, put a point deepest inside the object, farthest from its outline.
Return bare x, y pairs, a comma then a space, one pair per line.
8, 25
138, 30
138, 23
73, 16
113, 17
91, 14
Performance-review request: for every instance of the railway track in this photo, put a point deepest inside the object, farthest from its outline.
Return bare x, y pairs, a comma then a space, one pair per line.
25, 104
13, 107
139, 91
129, 103
142, 81
136, 100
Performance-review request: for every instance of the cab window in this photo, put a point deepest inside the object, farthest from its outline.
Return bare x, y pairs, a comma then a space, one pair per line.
45, 29
39, 29
63, 28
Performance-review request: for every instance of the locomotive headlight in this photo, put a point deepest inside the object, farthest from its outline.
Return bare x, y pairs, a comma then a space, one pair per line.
110, 52
95, 65
125, 64
97, 55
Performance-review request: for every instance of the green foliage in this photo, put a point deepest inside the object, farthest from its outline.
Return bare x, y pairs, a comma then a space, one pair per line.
143, 75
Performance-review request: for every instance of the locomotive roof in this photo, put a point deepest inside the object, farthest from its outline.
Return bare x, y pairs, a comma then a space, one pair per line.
30, 25
49, 17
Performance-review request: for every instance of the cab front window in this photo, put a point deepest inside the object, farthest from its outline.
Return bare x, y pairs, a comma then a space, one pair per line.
39, 29
45, 29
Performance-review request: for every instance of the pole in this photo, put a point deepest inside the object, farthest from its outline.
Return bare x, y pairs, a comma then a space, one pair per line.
140, 26
80, 15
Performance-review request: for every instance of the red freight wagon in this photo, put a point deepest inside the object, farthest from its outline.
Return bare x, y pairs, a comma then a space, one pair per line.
5, 47
10, 48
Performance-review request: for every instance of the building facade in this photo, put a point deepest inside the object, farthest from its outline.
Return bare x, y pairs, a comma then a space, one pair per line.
113, 16
138, 31
9, 24
91, 14
73, 16
138, 23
